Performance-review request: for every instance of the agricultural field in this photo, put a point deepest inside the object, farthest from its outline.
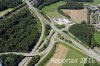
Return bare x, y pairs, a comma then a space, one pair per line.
77, 15
51, 10
74, 54
60, 53
66, 52
97, 37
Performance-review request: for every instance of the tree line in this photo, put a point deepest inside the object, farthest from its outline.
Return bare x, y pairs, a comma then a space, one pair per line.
42, 3
45, 3
72, 5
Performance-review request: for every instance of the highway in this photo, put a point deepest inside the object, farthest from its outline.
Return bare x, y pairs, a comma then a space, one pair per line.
90, 52
57, 31
45, 41
51, 44
68, 44
35, 48
27, 59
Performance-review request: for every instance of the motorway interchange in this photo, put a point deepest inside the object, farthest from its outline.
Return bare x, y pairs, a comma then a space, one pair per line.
52, 36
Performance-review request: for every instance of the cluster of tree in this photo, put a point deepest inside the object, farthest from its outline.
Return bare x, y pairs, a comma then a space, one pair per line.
34, 60
10, 59
72, 5
19, 32
79, 0
5, 4
85, 33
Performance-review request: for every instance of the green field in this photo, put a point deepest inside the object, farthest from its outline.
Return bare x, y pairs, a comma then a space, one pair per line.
51, 10
4, 12
97, 37
74, 54
94, 3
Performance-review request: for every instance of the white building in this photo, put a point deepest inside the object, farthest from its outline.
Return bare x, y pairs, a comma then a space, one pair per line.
61, 21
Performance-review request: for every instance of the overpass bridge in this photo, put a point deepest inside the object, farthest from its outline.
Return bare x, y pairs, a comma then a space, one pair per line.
24, 54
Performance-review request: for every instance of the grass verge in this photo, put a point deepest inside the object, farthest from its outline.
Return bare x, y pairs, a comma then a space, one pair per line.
51, 10
97, 37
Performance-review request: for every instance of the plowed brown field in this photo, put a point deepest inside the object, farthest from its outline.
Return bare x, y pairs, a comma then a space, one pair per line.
60, 53
77, 15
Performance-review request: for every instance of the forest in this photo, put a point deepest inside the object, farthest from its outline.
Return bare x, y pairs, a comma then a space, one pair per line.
85, 33
20, 32
10, 59
5, 4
